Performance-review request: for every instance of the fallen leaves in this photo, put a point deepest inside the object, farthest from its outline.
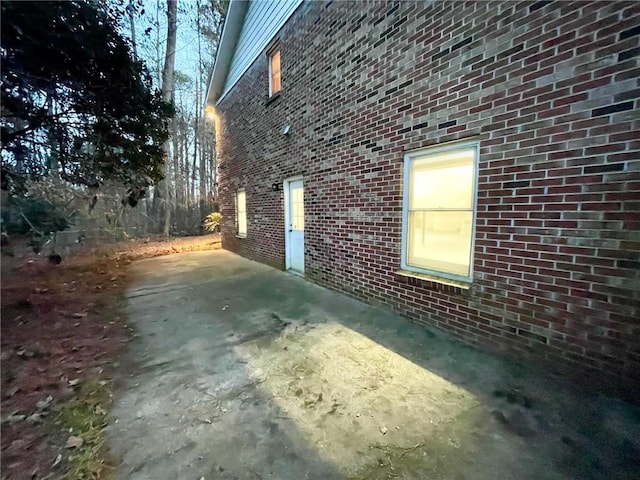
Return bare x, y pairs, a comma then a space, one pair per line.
35, 418
53, 334
74, 442
11, 391
14, 418
44, 403
24, 353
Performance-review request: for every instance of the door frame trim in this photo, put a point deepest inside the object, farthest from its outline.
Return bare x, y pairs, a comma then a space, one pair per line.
287, 247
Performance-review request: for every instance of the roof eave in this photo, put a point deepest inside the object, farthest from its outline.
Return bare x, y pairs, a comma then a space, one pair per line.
229, 38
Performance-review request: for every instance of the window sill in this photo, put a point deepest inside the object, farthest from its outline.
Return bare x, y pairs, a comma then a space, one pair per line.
273, 97
241, 236
435, 279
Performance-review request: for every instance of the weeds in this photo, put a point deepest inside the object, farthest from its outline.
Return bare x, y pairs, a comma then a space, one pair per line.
84, 416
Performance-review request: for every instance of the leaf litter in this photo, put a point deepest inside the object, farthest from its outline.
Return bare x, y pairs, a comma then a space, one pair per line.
58, 361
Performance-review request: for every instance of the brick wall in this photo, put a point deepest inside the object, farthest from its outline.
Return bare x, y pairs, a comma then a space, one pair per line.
552, 91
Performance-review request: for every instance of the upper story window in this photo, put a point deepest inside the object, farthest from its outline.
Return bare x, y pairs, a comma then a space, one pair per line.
275, 84
439, 211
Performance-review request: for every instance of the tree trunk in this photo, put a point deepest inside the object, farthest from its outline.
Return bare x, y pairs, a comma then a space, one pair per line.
185, 162
194, 169
167, 94
203, 173
177, 177
55, 142
130, 10
157, 43
201, 134
195, 149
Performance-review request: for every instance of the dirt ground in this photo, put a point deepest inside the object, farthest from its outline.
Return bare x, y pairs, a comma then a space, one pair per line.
62, 332
239, 371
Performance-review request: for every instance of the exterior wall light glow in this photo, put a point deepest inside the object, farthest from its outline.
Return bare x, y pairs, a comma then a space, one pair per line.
209, 113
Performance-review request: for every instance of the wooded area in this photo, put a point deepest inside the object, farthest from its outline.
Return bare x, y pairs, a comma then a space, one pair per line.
190, 188
103, 132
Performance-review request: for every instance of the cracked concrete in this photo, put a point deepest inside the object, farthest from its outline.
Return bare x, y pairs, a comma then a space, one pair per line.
241, 371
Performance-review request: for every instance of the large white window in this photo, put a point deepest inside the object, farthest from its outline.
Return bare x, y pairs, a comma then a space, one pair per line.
274, 72
439, 211
241, 213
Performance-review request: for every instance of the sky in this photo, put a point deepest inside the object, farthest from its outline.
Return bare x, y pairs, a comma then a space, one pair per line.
155, 19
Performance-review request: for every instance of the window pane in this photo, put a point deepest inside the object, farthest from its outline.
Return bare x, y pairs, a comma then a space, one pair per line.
442, 180
275, 72
297, 213
242, 201
440, 241
242, 213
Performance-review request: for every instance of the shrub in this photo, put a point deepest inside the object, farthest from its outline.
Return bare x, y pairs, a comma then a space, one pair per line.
212, 221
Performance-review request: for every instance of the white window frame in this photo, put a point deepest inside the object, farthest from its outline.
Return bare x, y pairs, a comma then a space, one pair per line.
239, 233
408, 160
275, 49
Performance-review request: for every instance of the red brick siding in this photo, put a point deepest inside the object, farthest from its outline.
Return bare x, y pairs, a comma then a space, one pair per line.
552, 91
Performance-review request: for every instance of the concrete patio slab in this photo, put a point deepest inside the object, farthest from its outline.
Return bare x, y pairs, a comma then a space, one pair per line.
240, 371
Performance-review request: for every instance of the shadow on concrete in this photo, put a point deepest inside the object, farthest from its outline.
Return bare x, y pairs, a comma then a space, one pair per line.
242, 371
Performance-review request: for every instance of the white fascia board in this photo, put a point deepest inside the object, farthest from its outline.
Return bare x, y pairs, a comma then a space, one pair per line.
267, 39
226, 48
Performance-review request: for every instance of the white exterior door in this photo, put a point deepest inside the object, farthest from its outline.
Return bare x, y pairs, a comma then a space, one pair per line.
294, 225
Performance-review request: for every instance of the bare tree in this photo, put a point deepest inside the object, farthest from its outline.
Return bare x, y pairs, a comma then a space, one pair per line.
132, 25
188, 192
163, 191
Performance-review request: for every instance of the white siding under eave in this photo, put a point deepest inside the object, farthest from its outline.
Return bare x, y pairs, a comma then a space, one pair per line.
263, 20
